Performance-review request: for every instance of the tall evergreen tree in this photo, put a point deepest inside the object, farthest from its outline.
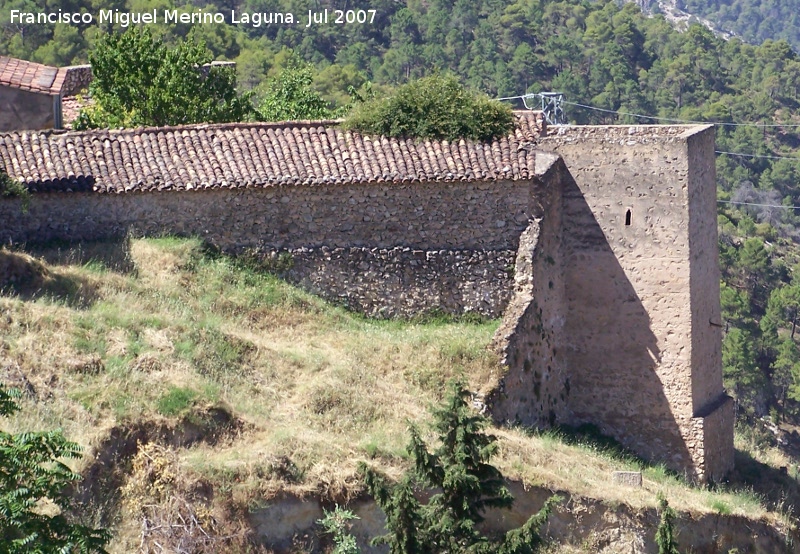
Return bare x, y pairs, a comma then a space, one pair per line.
459, 467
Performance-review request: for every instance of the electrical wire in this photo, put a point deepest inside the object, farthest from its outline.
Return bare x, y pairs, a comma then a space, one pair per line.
657, 118
672, 120
759, 205
741, 155
695, 122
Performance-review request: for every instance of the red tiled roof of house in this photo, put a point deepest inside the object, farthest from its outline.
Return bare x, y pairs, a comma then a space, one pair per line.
31, 76
255, 155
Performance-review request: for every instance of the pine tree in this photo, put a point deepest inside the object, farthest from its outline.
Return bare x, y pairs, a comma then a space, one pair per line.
469, 485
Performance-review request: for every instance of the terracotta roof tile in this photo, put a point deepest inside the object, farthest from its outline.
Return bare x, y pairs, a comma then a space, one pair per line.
255, 155
31, 76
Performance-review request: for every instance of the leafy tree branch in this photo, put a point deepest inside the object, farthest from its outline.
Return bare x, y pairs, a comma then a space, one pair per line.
31, 473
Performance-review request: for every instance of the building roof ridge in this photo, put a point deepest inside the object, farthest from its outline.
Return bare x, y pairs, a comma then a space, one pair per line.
299, 124
231, 155
288, 124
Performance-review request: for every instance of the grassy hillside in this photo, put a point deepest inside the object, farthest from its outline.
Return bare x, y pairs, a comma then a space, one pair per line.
203, 388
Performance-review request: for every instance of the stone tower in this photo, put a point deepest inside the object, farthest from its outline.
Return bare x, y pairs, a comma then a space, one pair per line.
634, 342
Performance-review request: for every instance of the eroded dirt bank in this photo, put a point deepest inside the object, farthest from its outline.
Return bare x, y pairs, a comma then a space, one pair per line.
587, 524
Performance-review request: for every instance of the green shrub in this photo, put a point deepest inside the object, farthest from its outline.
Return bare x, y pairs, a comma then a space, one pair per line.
337, 523
11, 188
721, 507
32, 473
666, 537
435, 107
176, 400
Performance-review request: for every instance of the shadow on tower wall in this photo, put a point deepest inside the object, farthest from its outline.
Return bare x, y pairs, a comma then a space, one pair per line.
618, 376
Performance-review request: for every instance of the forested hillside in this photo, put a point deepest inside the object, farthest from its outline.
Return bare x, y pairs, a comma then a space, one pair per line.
753, 20
607, 59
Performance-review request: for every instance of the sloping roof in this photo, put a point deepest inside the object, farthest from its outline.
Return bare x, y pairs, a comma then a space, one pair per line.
31, 76
255, 155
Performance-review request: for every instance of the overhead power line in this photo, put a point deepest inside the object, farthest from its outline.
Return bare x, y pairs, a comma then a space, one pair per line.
769, 157
759, 205
658, 118
673, 120
691, 121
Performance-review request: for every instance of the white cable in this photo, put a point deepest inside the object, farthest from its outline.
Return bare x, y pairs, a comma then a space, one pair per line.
760, 205
669, 119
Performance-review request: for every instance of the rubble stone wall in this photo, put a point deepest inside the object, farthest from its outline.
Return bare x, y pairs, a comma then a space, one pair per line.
534, 389
385, 250
402, 281
78, 79
22, 109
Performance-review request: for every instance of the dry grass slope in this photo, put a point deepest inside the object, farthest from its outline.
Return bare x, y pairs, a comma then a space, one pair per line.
252, 387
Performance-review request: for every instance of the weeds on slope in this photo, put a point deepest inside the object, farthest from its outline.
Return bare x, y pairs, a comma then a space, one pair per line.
159, 329
172, 326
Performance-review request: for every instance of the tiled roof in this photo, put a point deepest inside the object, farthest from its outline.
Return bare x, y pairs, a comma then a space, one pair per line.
255, 155
31, 76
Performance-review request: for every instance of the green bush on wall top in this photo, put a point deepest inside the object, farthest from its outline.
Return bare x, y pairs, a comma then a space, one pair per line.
435, 107
11, 188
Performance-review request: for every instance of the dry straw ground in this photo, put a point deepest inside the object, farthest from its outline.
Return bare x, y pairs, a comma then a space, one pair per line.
252, 387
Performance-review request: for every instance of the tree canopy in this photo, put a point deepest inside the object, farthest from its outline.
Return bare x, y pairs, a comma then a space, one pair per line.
290, 96
138, 80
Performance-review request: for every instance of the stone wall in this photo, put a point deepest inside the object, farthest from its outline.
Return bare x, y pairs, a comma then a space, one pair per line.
615, 288
642, 283
709, 400
385, 250
206, 68
427, 216
22, 109
710, 440
77, 79
535, 387
403, 281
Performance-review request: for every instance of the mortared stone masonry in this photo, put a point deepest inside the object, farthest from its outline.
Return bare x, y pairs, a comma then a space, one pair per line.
596, 245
